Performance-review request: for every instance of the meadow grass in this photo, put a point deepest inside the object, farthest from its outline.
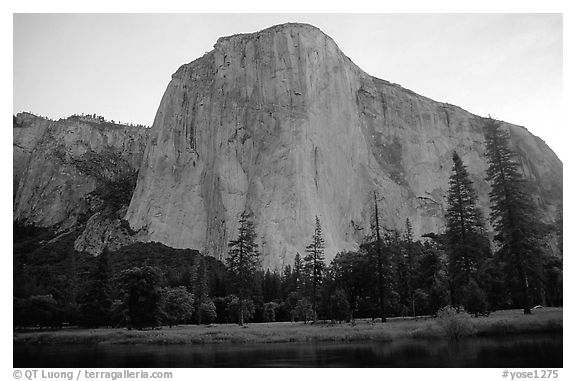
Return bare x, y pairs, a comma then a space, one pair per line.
498, 323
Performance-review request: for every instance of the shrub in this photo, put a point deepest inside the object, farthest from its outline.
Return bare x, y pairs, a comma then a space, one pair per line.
38, 310
455, 324
221, 305
269, 313
422, 301
208, 311
475, 299
303, 310
288, 307
339, 306
233, 308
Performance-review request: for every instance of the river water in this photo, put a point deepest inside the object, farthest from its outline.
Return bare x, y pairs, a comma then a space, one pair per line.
508, 351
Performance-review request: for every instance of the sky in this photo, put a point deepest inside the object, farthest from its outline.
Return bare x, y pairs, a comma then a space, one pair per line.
508, 66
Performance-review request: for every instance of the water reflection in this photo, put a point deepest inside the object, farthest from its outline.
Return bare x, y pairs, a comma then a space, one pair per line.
542, 350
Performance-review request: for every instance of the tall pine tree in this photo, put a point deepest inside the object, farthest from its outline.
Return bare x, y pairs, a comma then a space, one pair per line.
380, 262
410, 260
376, 250
243, 261
297, 273
96, 300
199, 286
314, 264
466, 239
512, 213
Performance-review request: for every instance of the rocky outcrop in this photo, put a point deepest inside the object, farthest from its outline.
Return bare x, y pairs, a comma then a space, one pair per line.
52, 171
104, 231
27, 129
281, 123
63, 171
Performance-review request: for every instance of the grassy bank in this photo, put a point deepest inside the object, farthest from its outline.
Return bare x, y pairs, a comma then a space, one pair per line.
498, 323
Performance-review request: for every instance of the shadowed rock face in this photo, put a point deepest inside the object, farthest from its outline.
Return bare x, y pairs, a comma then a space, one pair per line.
27, 130
57, 164
283, 124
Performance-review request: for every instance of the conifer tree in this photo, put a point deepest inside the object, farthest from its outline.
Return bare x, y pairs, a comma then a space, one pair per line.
409, 256
466, 239
96, 300
297, 273
512, 212
288, 282
559, 229
315, 263
243, 260
199, 287
380, 261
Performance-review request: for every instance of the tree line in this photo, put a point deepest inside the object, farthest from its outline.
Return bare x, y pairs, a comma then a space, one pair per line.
391, 274
394, 275
100, 119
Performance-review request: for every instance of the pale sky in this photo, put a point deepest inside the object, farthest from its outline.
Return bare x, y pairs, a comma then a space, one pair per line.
118, 66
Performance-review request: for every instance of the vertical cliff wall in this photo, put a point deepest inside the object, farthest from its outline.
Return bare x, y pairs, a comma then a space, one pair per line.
27, 129
281, 123
55, 163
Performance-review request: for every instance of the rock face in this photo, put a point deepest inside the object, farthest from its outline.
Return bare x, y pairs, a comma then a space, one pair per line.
58, 164
27, 130
104, 231
281, 123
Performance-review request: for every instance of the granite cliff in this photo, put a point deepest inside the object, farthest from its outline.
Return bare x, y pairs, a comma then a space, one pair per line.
282, 124
75, 173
